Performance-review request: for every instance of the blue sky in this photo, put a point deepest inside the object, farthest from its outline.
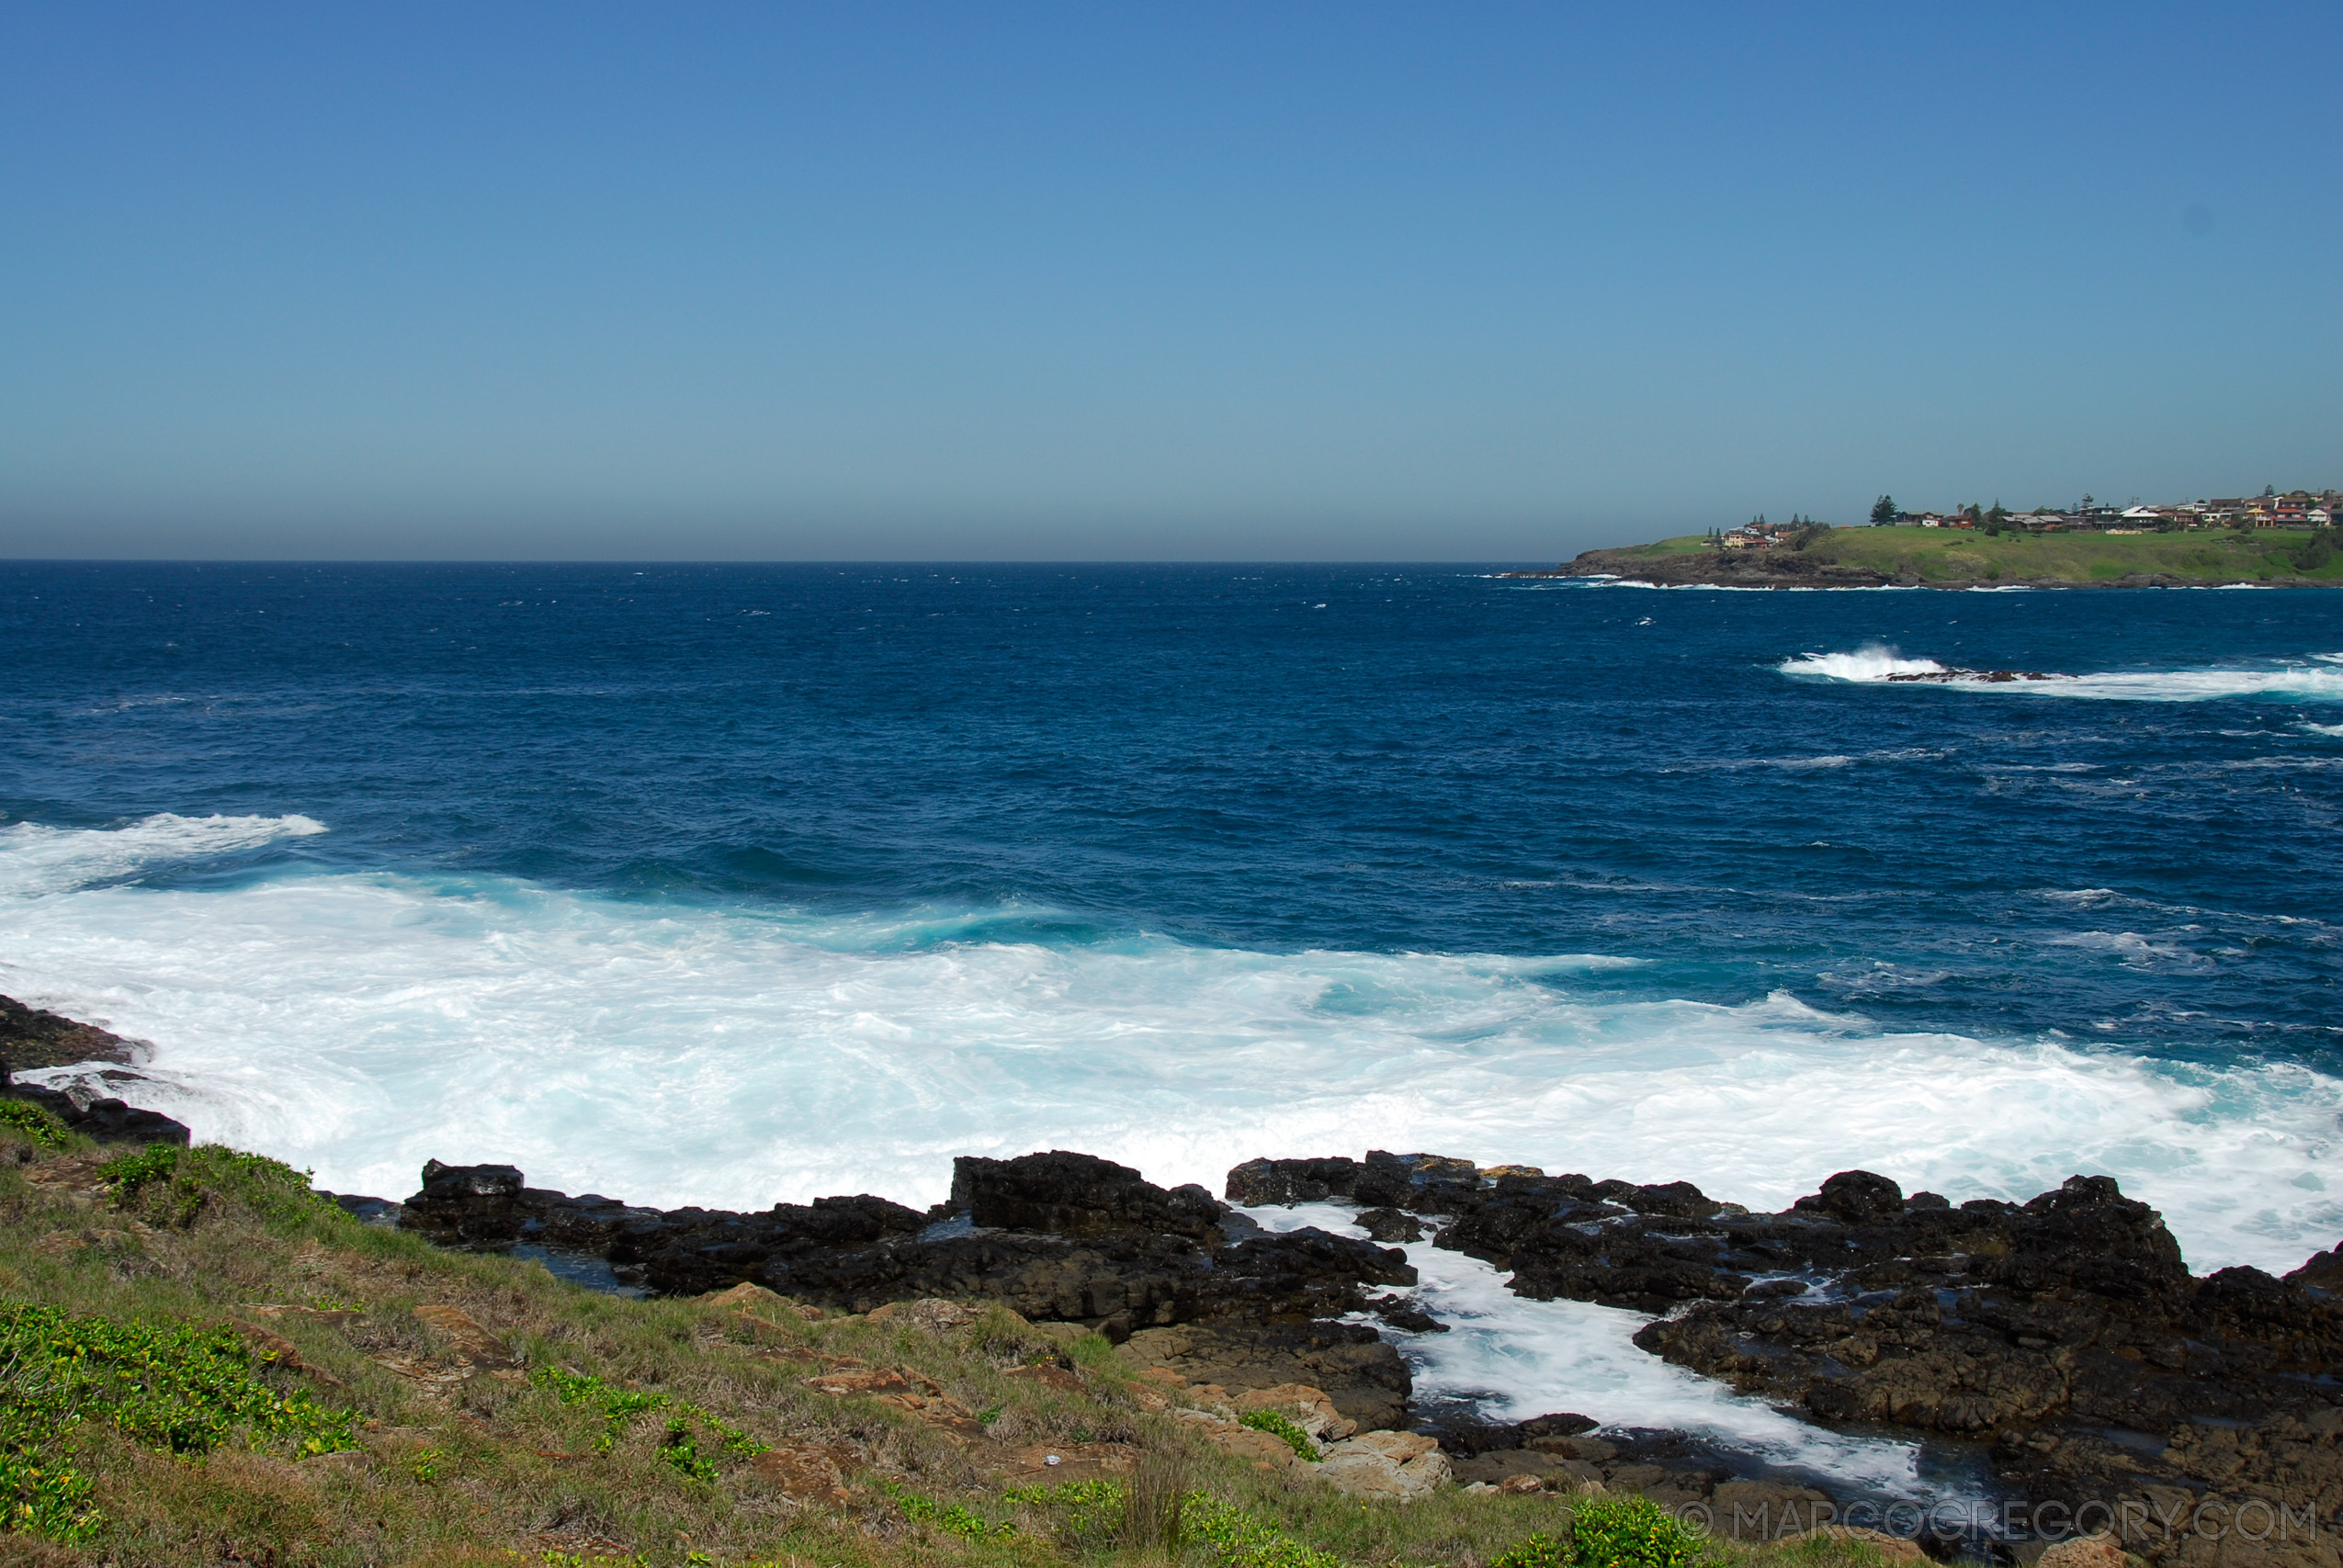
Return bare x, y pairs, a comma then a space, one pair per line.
1100, 281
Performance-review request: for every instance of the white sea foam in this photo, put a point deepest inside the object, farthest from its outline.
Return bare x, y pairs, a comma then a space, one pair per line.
361, 1023
2317, 681
1517, 1358
2333, 730
34, 859
1873, 661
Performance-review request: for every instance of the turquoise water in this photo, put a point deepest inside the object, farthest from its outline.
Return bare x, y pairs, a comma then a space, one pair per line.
733, 884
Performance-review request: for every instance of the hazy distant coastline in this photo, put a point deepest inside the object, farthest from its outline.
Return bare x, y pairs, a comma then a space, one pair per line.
1817, 556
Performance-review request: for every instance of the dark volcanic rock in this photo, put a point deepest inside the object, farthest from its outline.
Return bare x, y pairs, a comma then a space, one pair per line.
2067, 1332
1074, 1194
1058, 1237
1390, 1225
30, 1038
1289, 1182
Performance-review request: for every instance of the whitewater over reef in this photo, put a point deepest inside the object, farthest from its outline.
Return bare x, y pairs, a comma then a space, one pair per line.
726, 885
2317, 679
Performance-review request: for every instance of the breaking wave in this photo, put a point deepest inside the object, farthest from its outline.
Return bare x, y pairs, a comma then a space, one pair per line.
362, 1022
2313, 682
34, 859
1873, 661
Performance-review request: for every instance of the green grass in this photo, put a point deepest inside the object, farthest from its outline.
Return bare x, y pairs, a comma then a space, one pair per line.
1941, 555
155, 1415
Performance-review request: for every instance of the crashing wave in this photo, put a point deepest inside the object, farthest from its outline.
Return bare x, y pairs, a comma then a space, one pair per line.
35, 860
1874, 663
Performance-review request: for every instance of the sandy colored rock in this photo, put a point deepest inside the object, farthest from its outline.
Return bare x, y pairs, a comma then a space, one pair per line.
1267, 1451
1398, 1467
1076, 1461
276, 1348
469, 1338
804, 1472
934, 1316
2100, 1551
1306, 1407
1519, 1484
877, 1382
428, 1376
746, 1297
1064, 1379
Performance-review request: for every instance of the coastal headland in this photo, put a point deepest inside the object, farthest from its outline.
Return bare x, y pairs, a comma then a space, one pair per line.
1822, 556
1058, 1319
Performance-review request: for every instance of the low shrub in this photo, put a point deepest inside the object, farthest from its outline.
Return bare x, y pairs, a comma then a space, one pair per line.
166, 1183
619, 1407
35, 1121
183, 1388
1239, 1541
1612, 1533
949, 1517
1281, 1427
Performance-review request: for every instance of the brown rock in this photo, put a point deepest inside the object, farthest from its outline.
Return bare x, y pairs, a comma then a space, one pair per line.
804, 1472
1895, 1548
932, 1315
469, 1338
1515, 1485
1361, 1374
2100, 1551
1308, 1407
1074, 1462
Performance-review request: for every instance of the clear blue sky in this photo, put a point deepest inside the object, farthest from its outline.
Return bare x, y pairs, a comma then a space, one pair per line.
1100, 281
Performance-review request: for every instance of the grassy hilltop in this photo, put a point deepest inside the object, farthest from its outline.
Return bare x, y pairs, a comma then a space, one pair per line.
206, 1362
1960, 558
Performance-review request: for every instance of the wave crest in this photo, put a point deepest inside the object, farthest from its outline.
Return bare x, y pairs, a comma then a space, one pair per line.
35, 860
1872, 661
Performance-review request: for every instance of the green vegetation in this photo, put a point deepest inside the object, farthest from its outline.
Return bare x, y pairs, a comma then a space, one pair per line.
1239, 1541
2011, 555
180, 1387
1277, 1425
205, 1363
619, 1407
1612, 1533
36, 1123
952, 1519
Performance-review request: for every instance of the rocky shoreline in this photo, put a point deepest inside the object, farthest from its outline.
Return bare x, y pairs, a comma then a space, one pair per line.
2065, 1334
2064, 1338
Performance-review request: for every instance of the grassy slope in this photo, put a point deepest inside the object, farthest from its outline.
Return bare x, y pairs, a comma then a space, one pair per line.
494, 1467
1948, 554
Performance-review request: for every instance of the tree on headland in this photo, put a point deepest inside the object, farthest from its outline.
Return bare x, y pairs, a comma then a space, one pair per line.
1883, 510
1997, 519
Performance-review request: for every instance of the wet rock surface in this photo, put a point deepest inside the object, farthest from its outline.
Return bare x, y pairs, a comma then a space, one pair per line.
91, 1103
2067, 1332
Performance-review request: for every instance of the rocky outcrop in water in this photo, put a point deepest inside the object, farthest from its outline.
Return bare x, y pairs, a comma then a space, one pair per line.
1058, 1237
2066, 1332
92, 1104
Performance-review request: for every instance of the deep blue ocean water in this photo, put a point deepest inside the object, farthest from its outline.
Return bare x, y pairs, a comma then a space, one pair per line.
725, 882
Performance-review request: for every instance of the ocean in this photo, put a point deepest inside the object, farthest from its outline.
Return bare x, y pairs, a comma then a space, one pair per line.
728, 885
